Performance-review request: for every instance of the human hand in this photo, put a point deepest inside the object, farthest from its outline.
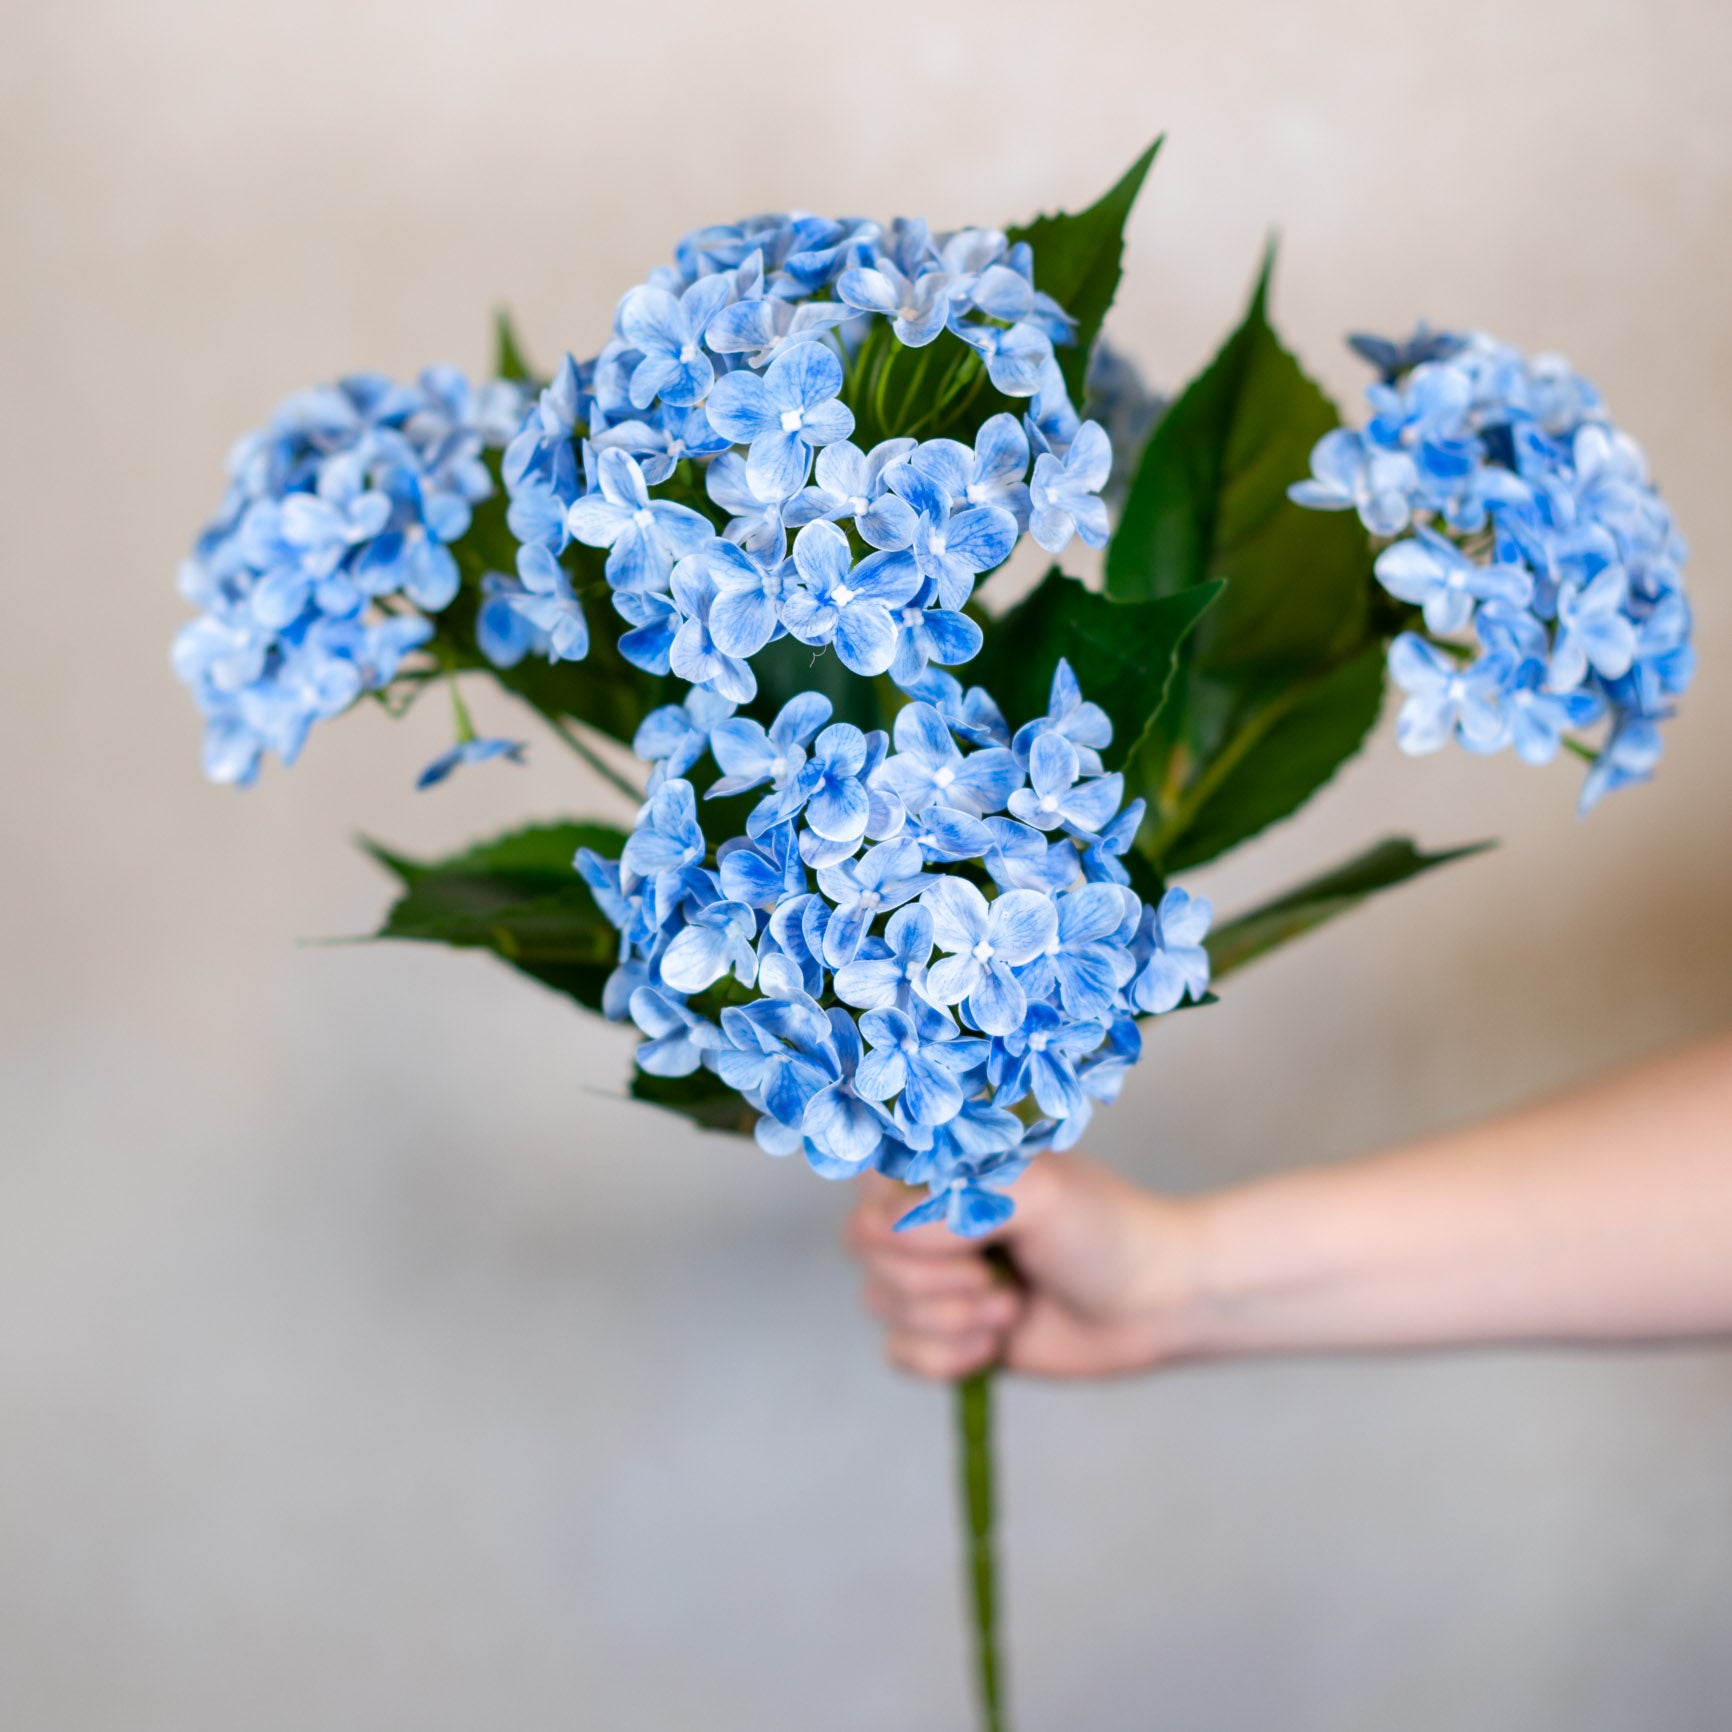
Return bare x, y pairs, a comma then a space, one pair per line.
1104, 1278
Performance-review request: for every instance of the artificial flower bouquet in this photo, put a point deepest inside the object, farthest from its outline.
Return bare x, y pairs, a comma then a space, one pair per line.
900, 893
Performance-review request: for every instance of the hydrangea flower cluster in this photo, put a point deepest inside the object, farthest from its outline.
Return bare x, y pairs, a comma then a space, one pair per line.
918, 958
708, 448
331, 547
1522, 523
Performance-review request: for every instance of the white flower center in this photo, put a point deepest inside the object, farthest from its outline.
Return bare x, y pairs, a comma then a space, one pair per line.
778, 770
841, 595
982, 952
976, 493
689, 353
644, 518
944, 777
1037, 1043
935, 540
869, 900
792, 420
910, 616
858, 505
1049, 802
1053, 946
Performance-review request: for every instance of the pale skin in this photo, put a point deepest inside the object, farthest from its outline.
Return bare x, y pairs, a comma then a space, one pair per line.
1601, 1215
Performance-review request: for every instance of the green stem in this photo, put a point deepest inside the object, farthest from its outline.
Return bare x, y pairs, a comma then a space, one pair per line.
974, 1442
593, 758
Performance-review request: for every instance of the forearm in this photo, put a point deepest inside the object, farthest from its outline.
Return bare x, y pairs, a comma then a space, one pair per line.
1603, 1215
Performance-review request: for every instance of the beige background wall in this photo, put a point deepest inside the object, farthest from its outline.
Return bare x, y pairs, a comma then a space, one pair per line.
365, 1362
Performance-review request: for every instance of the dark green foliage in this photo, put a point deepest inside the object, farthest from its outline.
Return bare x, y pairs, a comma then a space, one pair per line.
1076, 261
1283, 677
517, 896
701, 1097
1123, 653
1318, 900
508, 359
1290, 736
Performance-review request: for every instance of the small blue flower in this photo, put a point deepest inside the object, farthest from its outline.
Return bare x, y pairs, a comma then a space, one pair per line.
1064, 497
765, 328
986, 942
992, 473
1434, 574
1348, 474
469, 752
1392, 359
845, 1128
892, 971
829, 788
1629, 756
1178, 965
762, 874
751, 587
655, 620
718, 940
644, 536
927, 769
849, 482
845, 604
1593, 631
667, 845
1040, 1056
694, 654
784, 413
917, 1054
1087, 726
755, 518
1054, 796
544, 597
972, 715
750, 756
949, 550
1079, 962
1446, 700
1021, 858
677, 1038
1539, 718
917, 307
926, 634
1014, 356
670, 330
882, 879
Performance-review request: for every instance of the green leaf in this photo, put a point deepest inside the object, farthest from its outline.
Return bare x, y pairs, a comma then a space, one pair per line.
517, 896
1289, 738
1318, 900
1122, 653
1209, 500
701, 1097
508, 359
1076, 261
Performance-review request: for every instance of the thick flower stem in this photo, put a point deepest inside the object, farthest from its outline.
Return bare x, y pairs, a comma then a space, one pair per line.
974, 1440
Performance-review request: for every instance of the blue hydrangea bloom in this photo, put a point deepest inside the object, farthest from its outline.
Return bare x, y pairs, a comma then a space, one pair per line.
1522, 525
331, 545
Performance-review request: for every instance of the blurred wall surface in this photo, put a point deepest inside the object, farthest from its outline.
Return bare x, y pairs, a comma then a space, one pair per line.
365, 1360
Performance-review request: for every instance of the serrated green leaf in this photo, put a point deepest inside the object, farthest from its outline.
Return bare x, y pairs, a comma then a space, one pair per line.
1305, 908
1077, 259
508, 358
1209, 500
1122, 653
1288, 740
518, 896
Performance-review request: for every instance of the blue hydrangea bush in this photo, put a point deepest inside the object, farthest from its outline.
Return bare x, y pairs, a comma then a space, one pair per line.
900, 889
